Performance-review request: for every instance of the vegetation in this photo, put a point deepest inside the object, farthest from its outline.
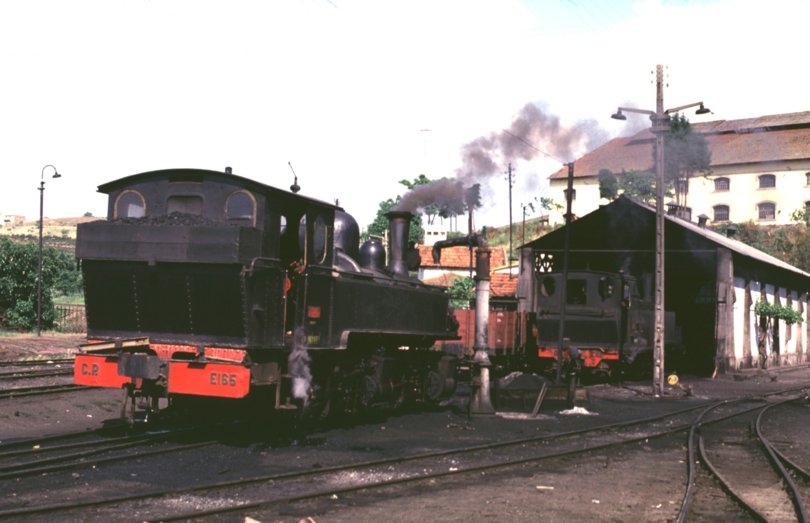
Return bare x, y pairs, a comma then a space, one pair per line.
772, 310
461, 292
686, 154
789, 243
380, 224
444, 198
18, 283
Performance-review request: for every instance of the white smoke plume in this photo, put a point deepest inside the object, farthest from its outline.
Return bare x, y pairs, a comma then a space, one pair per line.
298, 366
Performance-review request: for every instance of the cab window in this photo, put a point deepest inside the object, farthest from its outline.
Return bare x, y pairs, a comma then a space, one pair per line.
130, 204
241, 208
319, 239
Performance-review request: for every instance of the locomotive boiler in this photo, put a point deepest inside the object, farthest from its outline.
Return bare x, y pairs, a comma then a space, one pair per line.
204, 283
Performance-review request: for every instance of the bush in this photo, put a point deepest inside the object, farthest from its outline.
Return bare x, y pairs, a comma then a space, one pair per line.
18, 283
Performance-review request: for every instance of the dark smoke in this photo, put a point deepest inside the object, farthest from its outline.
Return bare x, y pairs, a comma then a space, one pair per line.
532, 133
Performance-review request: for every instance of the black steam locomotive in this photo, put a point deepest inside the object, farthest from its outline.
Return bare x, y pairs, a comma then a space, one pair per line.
608, 323
203, 283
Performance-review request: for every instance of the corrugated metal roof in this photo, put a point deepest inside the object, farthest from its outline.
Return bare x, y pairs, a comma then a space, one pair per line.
781, 137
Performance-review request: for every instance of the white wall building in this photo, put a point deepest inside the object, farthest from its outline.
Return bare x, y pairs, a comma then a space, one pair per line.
760, 170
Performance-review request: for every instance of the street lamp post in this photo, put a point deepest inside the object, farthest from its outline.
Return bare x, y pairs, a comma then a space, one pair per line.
660, 125
39, 267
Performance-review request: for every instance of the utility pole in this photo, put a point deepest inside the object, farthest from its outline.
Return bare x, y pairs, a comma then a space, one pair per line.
509, 258
660, 126
569, 195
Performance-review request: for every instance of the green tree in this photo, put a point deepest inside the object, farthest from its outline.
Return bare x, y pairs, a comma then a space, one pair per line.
789, 243
608, 184
639, 185
18, 283
380, 224
685, 153
461, 292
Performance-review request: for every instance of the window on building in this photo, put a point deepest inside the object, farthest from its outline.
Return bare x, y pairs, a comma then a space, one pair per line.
184, 204
721, 184
807, 208
682, 186
720, 213
241, 208
767, 211
807, 178
130, 204
573, 194
767, 181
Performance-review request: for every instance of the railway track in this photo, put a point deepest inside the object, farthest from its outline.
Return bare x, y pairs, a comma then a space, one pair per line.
36, 363
743, 476
250, 494
34, 374
19, 392
47, 375
43, 459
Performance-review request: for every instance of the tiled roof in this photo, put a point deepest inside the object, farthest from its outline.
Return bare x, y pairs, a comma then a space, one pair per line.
752, 140
443, 280
458, 257
503, 285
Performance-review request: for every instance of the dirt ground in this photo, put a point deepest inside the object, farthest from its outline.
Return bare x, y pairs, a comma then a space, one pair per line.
32, 347
642, 483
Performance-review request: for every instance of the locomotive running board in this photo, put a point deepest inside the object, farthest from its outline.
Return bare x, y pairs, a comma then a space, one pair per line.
109, 346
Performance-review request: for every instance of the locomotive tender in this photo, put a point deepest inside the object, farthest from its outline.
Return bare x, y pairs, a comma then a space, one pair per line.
204, 283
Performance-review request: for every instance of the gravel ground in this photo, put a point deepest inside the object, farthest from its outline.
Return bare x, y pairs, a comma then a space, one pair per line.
643, 482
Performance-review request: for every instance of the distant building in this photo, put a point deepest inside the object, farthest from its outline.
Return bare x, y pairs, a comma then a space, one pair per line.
760, 170
437, 228
12, 220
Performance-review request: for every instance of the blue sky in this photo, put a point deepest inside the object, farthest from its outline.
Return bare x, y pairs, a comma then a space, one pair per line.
359, 94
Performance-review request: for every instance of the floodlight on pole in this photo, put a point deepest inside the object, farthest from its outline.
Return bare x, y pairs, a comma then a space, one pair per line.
660, 125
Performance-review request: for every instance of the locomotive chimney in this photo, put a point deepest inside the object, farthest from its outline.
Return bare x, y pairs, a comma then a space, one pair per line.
399, 225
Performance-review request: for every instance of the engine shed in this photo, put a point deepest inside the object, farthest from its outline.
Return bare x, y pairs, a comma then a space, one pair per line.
713, 284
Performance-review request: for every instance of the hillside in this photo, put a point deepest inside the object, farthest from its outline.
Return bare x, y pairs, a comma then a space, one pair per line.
51, 228
521, 233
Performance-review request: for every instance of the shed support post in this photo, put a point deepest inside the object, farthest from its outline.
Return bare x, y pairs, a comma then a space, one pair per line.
724, 358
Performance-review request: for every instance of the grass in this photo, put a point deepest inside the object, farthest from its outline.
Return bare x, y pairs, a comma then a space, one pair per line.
69, 299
